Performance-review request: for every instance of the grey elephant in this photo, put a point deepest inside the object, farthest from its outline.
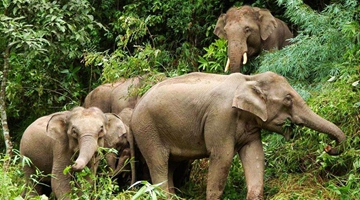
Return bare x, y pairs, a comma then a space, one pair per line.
113, 97
249, 30
121, 139
51, 141
118, 98
209, 115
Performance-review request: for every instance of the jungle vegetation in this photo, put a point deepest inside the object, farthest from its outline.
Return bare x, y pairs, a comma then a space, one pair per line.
55, 52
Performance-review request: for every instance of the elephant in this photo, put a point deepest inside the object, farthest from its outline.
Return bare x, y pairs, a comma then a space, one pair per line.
121, 139
203, 115
249, 30
51, 142
113, 97
118, 98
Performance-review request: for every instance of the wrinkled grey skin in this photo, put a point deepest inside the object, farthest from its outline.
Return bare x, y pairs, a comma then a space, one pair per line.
250, 30
52, 141
120, 139
114, 97
117, 98
216, 116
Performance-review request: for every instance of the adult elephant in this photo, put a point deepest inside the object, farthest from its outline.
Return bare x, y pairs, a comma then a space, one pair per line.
114, 97
51, 141
209, 115
249, 30
120, 97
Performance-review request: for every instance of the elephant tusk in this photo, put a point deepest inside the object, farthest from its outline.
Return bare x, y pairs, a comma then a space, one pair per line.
227, 66
245, 58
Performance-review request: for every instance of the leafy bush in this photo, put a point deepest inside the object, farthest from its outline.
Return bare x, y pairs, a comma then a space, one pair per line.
44, 39
214, 60
319, 47
174, 38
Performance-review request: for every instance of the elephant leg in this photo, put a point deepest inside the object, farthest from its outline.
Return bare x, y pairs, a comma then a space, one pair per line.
219, 167
157, 161
60, 183
173, 169
252, 158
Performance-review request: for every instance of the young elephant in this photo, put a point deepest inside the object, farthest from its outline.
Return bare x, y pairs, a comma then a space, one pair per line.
208, 115
51, 141
121, 139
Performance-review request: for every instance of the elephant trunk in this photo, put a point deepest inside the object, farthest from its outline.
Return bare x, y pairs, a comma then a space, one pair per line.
315, 122
111, 160
87, 148
237, 55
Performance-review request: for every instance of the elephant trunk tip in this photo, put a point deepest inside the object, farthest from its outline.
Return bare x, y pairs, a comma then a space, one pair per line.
338, 150
332, 151
78, 166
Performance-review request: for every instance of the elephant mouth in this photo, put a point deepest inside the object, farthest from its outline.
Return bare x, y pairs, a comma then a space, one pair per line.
287, 128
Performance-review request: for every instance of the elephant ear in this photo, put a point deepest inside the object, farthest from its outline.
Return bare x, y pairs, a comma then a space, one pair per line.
267, 23
219, 28
114, 123
249, 97
56, 126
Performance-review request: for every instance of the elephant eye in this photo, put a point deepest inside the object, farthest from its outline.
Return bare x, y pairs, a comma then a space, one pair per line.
288, 100
247, 29
101, 132
74, 132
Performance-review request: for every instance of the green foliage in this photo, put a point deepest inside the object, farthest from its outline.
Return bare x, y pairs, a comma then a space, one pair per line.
156, 36
11, 181
48, 41
44, 38
214, 60
320, 45
150, 191
121, 65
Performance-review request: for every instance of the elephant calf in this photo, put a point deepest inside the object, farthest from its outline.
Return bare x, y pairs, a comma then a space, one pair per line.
121, 140
51, 141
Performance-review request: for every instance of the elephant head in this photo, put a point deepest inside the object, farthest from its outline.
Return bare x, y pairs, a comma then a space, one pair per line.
116, 138
248, 31
120, 138
80, 130
271, 98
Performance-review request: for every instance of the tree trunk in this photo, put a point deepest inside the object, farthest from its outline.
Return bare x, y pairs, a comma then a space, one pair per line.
4, 123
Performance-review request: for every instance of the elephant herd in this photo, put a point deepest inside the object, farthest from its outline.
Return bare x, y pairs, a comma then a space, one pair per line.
197, 115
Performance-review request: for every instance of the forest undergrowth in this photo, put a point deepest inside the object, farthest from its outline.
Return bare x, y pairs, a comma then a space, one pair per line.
115, 39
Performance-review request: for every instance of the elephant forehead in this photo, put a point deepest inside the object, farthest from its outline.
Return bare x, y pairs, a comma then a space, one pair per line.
244, 12
87, 122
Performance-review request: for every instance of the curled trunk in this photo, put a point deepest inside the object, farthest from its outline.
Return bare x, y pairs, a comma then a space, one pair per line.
87, 148
315, 122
